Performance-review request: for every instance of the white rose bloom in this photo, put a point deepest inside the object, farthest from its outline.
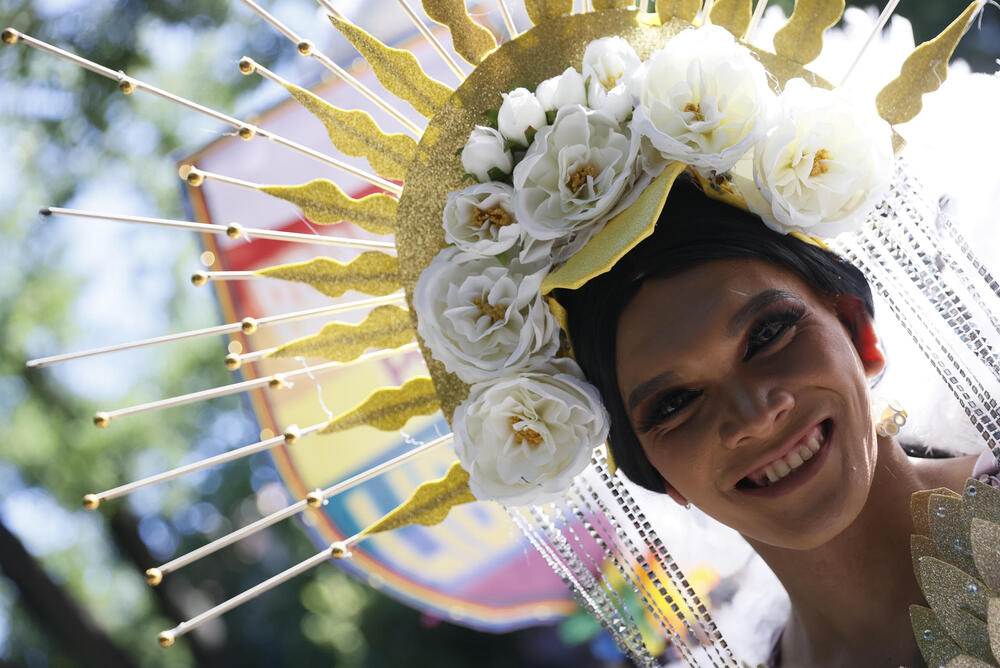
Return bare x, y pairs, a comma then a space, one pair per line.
607, 63
574, 175
485, 151
480, 318
567, 88
480, 219
524, 438
702, 99
520, 112
823, 165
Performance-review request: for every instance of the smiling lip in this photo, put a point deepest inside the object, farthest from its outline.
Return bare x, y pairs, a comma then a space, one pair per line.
789, 445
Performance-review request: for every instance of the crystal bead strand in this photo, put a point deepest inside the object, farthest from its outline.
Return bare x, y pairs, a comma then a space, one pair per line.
559, 568
571, 500
953, 374
583, 490
670, 567
591, 585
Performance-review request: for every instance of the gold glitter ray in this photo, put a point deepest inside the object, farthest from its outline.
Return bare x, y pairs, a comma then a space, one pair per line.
922, 72
947, 589
389, 409
397, 70
372, 273
430, 503
801, 39
356, 133
323, 202
932, 637
985, 538
540, 11
685, 10
733, 15
385, 327
472, 41
948, 521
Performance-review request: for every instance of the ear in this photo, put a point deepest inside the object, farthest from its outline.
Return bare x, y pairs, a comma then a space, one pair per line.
852, 313
674, 494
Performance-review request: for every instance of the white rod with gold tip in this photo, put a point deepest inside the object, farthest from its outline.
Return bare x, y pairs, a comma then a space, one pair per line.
233, 230
315, 499
883, 18
508, 21
429, 36
306, 48
291, 435
246, 325
275, 381
758, 14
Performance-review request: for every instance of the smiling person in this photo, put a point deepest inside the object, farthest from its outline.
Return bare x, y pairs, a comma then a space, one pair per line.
735, 363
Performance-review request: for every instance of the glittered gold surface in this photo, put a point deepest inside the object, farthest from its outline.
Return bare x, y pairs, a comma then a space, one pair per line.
966, 661
921, 546
801, 39
950, 530
397, 70
684, 10
611, 4
430, 503
540, 11
322, 201
619, 236
389, 409
985, 539
932, 637
355, 133
543, 51
993, 622
922, 72
733, 15
471, 40
372, 273
385, 327
960, 612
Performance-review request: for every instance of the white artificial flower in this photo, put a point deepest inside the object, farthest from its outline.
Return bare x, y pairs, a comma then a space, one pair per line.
484, 151
480, 219
480, 318
607, 64
567, 88
823, 165
573, 177
524, 438
520, 112
702, 99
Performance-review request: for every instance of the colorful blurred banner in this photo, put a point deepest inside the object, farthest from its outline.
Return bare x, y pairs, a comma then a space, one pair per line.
475, 569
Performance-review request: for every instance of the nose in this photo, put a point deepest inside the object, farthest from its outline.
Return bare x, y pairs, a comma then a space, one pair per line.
752, 410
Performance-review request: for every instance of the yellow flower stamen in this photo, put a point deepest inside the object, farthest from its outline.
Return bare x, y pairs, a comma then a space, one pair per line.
578, 178
696, 109
495, 216
610, 82
494, 311
526, 435
819, 162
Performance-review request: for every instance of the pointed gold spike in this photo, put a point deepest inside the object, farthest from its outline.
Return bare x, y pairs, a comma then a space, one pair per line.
950, 530
354, 132
389, 409
801, 39
430, 503
919, 509
397, 70
685, 10
993, 622
371, 273
922, 72
385, 327
540, 11
921, 546
472, 41
733, 15
959, 602
985, 539
323, 202
932, 637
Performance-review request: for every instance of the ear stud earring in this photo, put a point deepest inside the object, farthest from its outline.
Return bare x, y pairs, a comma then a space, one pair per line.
889, 417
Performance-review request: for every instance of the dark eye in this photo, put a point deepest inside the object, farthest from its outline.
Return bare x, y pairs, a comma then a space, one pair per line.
770, 329
666, 407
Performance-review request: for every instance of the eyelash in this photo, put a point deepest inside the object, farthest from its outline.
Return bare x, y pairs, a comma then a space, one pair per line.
663, 410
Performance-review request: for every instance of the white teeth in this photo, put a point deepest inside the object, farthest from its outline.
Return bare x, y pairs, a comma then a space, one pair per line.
805, 453
794, 460
782, 468
813, 445
771, 475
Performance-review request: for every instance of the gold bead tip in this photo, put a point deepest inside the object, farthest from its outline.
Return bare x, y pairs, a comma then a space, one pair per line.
126, 86
276, 383
91, 501
247, 66
305, 47
10, 36
292, 434
199, 278
246, 132
248, 325
190, 174
154, 576
45, 211
166, 639
101, 419
339, 550
314, 499
233, 362
234, 231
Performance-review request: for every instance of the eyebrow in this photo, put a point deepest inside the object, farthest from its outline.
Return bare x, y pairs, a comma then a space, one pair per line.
736, 324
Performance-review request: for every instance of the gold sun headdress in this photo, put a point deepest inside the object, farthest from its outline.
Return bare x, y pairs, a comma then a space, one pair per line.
575, 131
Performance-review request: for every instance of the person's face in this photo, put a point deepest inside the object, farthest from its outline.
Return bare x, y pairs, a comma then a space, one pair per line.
732, 373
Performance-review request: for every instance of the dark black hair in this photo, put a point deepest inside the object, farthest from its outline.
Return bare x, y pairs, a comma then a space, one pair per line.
692, 230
